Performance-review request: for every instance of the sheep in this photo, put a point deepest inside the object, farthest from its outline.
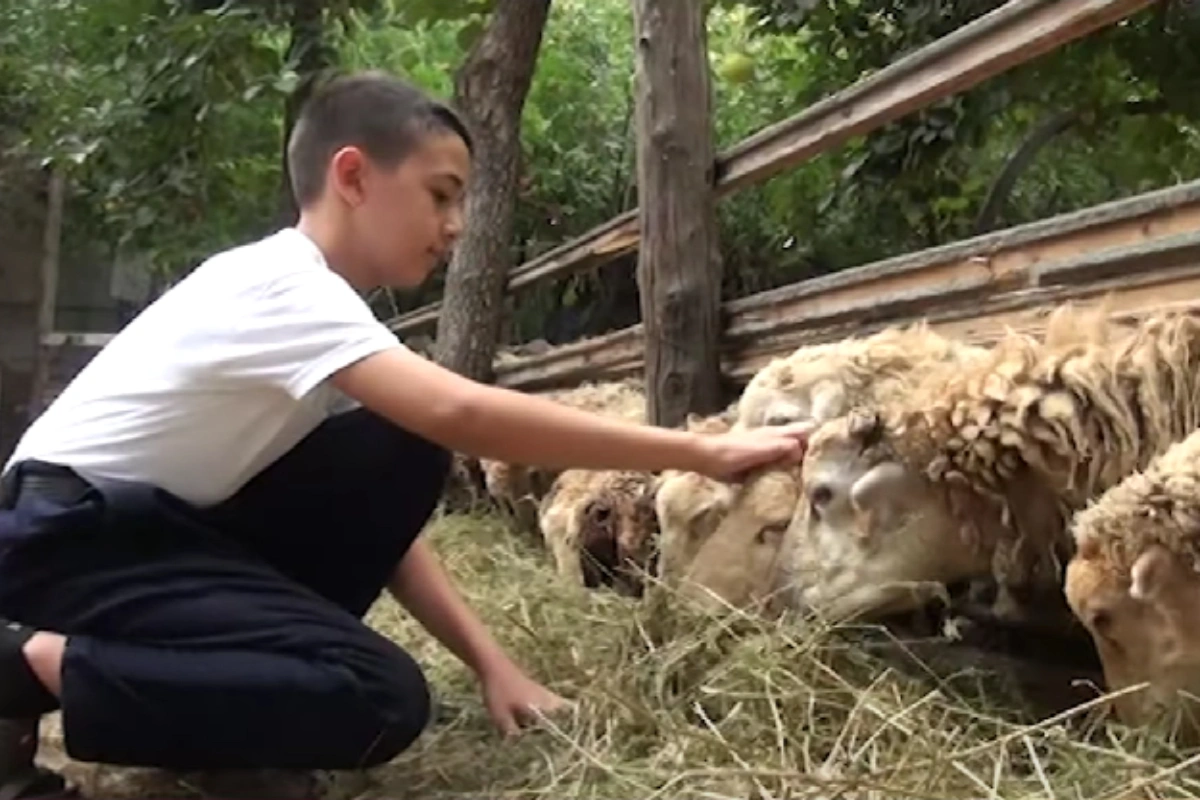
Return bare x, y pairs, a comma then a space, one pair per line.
976, 472
812, 384
821, 382
689, 506
1134, 583
742, 562
600, 527
517, 488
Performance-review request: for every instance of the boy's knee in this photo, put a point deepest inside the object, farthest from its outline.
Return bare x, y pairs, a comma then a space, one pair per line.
403, 706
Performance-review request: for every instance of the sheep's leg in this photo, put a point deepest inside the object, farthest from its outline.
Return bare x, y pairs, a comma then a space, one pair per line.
525, 515
567, 564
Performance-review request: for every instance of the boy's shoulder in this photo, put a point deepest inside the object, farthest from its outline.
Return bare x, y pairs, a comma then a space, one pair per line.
261, 261
272, 272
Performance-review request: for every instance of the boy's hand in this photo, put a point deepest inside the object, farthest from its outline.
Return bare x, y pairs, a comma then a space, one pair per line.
729, 456
514, 700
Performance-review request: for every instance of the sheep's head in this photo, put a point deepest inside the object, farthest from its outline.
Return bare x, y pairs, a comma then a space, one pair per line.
743, 562
1138, 598
792, 390
617, 532
872, 535
689, 507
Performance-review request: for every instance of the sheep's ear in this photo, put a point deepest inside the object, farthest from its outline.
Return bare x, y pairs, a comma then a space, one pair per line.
881, 495
1149, 574
828, 401
781, 412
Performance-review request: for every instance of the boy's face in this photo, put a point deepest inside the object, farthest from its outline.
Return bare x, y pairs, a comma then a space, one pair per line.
407, 217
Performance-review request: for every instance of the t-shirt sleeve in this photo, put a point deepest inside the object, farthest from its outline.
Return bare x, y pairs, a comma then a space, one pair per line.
299, 329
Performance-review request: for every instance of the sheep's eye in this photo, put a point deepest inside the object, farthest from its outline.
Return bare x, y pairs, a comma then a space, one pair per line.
818, 498
771, 533
1101, 621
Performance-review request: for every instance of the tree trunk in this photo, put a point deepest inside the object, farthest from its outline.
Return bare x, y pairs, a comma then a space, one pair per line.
490, 91
312, 54
47, 292
679, 263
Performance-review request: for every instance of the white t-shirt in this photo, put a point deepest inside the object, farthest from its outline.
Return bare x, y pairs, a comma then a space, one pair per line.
220, 376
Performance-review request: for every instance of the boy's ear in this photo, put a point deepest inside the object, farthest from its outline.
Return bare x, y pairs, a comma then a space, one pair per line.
347, 174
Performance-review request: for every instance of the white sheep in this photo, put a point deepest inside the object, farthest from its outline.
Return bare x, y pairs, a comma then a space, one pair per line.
689, 506
812, 384
602, 527
821, 382
743, 563
976, 472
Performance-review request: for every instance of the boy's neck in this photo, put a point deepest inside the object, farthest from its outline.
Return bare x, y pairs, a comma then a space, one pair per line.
335, 246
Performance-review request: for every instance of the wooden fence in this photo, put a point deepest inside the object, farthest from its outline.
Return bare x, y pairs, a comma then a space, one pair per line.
1146, 249
1013, 34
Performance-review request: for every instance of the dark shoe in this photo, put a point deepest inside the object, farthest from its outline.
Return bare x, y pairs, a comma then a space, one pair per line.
20, 777
22, 695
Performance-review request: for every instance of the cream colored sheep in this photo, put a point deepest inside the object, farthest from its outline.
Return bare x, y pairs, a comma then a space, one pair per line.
600, 527
1134, 583
977, 471
825, 381
742, 563
688, 505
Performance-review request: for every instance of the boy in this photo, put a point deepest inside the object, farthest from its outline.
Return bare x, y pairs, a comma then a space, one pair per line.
191, 533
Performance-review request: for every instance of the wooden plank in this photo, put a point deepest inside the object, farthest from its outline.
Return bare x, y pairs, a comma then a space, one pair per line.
679, 264
1117, 243
1134, 294
1017, 32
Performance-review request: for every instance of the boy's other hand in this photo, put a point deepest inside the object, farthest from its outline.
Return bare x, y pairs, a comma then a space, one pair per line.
514, 700
729, 456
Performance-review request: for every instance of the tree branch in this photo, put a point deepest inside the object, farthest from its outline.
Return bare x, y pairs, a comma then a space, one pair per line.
1041, 135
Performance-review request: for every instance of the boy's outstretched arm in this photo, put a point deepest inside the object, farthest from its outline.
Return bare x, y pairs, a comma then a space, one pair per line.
492, 422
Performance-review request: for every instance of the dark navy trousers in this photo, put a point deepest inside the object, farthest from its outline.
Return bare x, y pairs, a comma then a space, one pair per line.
231, 637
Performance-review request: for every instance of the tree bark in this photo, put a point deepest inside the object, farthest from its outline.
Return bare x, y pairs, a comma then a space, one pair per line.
679, 264
490, 90
47, 291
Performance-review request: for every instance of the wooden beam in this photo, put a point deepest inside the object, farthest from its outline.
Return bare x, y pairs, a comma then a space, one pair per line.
1015, 33
679, 266
1044, 260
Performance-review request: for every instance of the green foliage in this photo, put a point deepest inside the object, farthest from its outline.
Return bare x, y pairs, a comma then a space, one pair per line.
168, 114
155, 112
922, 180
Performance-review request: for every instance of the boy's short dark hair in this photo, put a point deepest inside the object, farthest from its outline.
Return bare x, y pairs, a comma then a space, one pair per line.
380, 113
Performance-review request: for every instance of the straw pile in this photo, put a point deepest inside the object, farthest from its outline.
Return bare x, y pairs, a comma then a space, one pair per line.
675, 704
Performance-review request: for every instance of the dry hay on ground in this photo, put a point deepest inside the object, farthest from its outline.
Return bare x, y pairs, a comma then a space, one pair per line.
674, 705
